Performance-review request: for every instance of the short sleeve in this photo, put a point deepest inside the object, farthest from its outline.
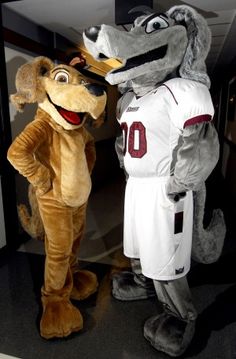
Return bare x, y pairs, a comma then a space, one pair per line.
193, 103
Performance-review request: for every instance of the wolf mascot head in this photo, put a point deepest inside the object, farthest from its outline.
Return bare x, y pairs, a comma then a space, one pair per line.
156, 46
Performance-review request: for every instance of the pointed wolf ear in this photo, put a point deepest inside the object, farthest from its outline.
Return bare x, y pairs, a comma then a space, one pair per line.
28, 84
193, 66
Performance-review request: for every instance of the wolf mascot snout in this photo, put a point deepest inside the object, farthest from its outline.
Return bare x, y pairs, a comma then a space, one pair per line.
168, 148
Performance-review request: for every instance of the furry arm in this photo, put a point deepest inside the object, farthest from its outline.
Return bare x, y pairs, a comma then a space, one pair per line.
119, 139
196, 158
21, 155
119, 150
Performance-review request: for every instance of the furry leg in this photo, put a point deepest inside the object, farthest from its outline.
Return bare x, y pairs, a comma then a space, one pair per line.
132, 285
59, 318
85, 282
172, 330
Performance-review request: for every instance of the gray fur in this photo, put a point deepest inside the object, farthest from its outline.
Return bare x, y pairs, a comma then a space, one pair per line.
199, 40
197, 156
114, 43
172, 330
169, 334
190, 55
207, 243
128, 286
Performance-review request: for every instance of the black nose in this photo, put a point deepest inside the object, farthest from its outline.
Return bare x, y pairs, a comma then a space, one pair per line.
92, 32
95, 90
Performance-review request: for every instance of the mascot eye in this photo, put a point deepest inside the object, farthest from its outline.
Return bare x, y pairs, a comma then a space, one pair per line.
156, 23
62, 77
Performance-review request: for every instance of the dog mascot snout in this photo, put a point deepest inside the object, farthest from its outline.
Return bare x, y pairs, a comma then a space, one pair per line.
168, 147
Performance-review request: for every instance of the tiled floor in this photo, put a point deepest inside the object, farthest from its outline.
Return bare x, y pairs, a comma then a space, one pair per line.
112, 329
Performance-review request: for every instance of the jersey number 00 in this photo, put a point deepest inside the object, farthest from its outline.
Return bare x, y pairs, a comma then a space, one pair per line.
135, 139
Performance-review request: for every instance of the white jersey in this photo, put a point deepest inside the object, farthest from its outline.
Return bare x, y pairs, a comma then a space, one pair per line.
156, 230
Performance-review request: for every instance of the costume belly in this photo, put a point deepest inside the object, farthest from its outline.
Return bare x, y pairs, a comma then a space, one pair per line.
75, 177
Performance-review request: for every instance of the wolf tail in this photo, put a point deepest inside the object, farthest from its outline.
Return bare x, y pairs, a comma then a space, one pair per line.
207, 242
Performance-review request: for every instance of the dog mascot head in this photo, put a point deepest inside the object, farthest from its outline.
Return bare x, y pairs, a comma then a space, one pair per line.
60, 90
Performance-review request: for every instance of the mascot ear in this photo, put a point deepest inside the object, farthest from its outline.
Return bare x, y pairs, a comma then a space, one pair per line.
28, 82
199, 40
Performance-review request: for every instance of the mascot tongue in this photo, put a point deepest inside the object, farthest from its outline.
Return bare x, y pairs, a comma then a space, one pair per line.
70, 116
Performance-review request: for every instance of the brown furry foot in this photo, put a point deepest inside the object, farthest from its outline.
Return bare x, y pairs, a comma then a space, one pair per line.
85, 284
60, 318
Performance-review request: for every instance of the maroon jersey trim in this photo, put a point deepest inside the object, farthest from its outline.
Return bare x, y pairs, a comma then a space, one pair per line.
170, 93
197, 119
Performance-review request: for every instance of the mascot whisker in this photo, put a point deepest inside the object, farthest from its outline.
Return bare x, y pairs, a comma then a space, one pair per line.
57, 154
168, 148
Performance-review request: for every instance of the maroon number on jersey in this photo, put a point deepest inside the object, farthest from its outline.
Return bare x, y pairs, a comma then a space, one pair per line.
136, 129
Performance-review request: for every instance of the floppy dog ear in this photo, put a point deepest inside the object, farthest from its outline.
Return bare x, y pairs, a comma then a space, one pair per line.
199, 40
28, 82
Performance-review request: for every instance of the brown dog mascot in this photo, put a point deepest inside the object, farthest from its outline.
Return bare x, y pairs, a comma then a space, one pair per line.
57, 154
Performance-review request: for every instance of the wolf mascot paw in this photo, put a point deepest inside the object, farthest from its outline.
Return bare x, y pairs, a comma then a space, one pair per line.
57, 154
130, 286
168, 148
168, 333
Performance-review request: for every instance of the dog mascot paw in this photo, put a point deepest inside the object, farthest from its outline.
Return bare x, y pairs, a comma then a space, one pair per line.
168, 148
57, 154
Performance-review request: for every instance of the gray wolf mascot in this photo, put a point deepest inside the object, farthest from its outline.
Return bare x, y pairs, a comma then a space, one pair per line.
168, 148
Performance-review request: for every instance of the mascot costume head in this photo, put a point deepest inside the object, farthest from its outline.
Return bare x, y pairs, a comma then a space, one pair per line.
57, 154
156, 46
168, 148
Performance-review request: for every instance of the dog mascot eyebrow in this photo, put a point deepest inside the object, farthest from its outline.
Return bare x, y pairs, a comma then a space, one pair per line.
56, 154
168, 149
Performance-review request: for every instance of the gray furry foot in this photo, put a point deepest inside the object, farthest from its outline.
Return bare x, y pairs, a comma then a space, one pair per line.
169, 334
129, 286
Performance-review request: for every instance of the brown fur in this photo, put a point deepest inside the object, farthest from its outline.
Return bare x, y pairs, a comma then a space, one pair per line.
31, 222
56, 154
